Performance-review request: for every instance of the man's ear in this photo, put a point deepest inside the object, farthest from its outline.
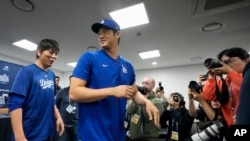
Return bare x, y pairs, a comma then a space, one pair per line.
118, 34
38, 52
246, 60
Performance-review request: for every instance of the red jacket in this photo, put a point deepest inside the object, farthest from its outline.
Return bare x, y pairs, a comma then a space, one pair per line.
209, 93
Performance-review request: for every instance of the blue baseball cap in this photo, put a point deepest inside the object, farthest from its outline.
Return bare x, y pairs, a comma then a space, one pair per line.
109, 23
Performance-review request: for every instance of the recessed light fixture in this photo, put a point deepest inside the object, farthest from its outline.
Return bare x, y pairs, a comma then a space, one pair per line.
92, 48
72, 64
196, 58
154, 63
131, 16
24, 5
25, 44
149, 54
212, 27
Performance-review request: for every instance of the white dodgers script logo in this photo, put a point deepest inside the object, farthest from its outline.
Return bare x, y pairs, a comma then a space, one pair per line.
4, 79
46, 84
124, 70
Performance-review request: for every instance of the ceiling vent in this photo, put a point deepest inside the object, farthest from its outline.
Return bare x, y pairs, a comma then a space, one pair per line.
200, 8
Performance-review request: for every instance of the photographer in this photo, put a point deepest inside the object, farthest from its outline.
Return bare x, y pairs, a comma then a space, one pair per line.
226, 90
141, 128
160, 94
207, 113
177, 118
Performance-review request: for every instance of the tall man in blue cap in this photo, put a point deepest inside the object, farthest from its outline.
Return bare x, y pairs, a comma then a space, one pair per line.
102, 82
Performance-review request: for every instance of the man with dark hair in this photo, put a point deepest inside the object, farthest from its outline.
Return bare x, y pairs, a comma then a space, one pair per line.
31, 98
243, 110
58, 87
101, 82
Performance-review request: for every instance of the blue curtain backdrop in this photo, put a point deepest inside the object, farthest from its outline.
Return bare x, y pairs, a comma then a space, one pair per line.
8, 72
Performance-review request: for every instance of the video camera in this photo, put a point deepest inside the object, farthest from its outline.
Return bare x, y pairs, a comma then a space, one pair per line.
142, 90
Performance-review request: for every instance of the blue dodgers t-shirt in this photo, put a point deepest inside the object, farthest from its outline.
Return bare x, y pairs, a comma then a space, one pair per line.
104, 119
33, 89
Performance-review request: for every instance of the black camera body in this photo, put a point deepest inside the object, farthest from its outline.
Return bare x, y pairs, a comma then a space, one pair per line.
211, 63
142, 90
177, 97
194, 86
204, 77
160, 87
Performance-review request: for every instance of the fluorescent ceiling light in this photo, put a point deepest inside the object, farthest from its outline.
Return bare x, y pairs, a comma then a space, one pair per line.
25, 44
154, 63
72, 64
131, 16
149, 54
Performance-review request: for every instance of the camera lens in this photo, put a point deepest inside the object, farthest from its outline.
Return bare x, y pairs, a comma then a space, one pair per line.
212, 63
176, 98
142, 90
209, 132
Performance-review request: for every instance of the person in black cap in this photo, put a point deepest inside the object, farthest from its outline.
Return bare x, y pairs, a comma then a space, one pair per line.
101, 83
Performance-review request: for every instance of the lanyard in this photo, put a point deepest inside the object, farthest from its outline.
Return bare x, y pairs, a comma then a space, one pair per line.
231, 96
174, 124
231, 90
70, 102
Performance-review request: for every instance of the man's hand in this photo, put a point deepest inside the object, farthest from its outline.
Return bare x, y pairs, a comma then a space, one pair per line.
125, 91
153, 112
59, 126
225, 69
197, 96
20, 139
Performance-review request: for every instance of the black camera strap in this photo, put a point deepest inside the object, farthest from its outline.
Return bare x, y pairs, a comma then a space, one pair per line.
223, 96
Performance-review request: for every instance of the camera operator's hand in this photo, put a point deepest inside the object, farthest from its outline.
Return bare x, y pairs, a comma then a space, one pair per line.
200, 79
211, 74
197, 96
203, 103
225, 69
190, 96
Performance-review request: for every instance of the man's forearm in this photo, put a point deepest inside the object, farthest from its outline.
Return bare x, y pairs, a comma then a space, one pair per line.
140, 99
57, 114
17, 125
192, 109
